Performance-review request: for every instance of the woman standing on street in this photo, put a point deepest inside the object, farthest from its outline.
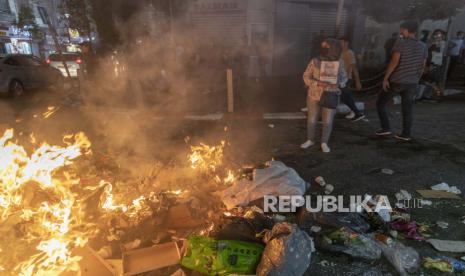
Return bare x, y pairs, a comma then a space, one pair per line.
323, 77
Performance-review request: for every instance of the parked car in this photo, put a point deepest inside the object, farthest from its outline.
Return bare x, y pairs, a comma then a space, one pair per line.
73, 61
24, 72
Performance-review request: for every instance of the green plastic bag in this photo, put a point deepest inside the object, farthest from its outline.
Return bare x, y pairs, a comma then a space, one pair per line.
221, 257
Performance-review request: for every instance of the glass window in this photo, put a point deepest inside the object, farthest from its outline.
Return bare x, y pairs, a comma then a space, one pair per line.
12, 61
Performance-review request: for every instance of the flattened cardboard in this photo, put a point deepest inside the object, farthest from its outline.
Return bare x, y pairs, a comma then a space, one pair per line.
151, 258
437, 194
91, 264
448, 246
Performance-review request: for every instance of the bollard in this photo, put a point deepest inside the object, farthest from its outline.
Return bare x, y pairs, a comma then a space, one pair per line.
229, 77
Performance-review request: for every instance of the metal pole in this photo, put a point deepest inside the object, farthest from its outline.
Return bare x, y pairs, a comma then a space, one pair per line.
340, 9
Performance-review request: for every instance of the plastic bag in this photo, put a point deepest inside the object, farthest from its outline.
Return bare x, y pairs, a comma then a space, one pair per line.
404, 259
347, 241
354, 221
288, 251
242, 229
277, 179
221, 257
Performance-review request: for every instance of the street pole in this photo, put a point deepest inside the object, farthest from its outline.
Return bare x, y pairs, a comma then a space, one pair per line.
340, 9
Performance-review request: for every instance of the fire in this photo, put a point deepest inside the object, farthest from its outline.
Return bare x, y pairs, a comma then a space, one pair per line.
39, 200
207, 158
50, 111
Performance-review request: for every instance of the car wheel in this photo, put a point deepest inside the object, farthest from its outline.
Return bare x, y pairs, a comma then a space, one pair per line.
16, 89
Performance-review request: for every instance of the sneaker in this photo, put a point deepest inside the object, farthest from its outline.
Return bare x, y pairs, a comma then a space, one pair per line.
325, 148
350, 116
304, 109
358, 118
403, 137
307, 144
383, 132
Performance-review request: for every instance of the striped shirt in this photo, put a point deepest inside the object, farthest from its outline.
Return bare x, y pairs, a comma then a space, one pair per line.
413, 54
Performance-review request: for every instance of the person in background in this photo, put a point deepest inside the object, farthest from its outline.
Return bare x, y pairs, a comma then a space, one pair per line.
330, 52
353, 75
402, 77
389, 45
455, 51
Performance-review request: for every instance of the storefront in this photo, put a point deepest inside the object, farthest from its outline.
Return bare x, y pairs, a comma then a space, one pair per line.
15, 41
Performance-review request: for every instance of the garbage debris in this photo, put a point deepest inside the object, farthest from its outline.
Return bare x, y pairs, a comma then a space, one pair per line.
437, 194
279, 218
462, 258
92, 262
444, 264
442, 224
408, 229
180, 217
404, 259
347, 241
242, 228
221, 257
329, 189
288, 251
277, 179
355, 221
403, 195
445, 187
325, 263
151, 258
448, 246
387, 171
320, 181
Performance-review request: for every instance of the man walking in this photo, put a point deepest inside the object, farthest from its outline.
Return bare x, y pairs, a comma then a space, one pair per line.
402, 77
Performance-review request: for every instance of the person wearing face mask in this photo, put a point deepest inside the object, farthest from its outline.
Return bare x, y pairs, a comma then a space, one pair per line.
402, 77
323, 77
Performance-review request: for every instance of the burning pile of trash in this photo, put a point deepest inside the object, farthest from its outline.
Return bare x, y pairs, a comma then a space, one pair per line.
65, 211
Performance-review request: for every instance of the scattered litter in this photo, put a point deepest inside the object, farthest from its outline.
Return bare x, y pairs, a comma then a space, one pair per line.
444, 264
105, 252
355, 221
448, 246
212, 257
404, 259
151, 258
445, 187
442, 224
315, 229
347, 241
425, 202
320, 181
403, 195
131, 245
408, 228
242, 228
325, 263
271, 126
279, 218
329, 189
91, 261
277, 179
462, 258
288, 251
387, 171
437, 194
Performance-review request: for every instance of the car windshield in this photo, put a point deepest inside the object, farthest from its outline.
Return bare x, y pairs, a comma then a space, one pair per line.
66, 57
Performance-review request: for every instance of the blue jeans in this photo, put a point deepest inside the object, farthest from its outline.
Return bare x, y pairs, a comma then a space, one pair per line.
407, 93
314, 110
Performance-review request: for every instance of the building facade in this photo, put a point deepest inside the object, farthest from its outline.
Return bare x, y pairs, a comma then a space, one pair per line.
279, 33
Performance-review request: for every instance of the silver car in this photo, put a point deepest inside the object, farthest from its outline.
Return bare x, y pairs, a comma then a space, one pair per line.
23, 72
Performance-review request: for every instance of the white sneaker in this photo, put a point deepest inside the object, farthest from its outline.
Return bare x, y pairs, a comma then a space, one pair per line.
325, 148
307, 144
304, 109
350, 116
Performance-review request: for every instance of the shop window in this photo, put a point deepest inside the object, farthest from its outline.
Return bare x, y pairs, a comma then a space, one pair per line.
5, 6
